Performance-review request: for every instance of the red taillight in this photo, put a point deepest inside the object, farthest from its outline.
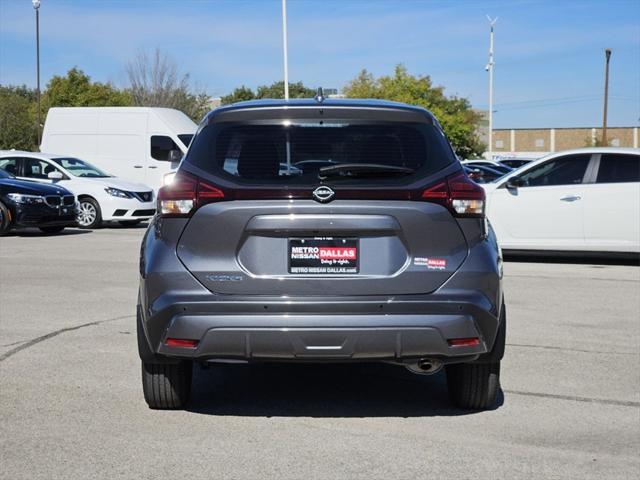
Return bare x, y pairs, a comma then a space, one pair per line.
457, 192
181, 342
185, 194
464, 342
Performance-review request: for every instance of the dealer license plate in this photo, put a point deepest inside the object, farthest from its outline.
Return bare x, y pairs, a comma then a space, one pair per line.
323, 255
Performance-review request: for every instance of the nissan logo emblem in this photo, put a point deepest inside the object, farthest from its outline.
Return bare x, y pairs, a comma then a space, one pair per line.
323, 194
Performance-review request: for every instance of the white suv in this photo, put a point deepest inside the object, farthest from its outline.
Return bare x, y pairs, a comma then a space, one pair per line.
101, 197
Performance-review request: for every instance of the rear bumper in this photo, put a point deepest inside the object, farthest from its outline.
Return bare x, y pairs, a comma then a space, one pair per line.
338, 330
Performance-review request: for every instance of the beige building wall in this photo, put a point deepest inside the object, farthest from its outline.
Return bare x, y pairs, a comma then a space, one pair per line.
557, 139
501, 141
533, 140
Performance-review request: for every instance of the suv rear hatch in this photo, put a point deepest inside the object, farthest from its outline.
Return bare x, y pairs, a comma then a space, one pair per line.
257, 228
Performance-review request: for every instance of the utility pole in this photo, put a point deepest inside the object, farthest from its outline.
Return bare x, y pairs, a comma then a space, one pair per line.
489, 68
36, 6
607, 56
285, 47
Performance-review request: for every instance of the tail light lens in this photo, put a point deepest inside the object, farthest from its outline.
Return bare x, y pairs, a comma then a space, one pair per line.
457, 192
185, 194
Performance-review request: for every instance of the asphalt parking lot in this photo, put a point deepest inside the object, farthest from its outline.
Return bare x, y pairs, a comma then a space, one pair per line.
71, 404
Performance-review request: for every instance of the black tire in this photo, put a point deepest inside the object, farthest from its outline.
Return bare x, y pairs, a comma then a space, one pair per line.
474, 385
5, 220
167, 386
88, 203
51, 229
129, 223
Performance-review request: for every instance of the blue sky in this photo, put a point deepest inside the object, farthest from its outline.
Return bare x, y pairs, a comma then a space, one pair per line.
549, 54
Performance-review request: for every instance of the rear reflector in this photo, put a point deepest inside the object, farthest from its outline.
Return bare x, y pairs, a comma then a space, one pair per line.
181, 342
464, 342
462, 196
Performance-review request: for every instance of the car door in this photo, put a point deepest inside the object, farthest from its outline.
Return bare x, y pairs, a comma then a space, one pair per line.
612, 204
546, 210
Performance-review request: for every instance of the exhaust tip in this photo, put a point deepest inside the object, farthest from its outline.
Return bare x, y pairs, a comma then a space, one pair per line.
425, 366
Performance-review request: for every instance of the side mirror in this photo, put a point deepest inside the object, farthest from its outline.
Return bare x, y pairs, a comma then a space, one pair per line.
514, 183
174, 156
55, 176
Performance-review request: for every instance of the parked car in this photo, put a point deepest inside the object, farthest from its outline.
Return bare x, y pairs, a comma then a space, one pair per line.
516, 162
474, 174
584, 200
28, 204
482, 173
374, 247
101, 197
494, 165
137, 144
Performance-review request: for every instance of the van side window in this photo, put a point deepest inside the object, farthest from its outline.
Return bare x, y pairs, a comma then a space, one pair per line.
161, 145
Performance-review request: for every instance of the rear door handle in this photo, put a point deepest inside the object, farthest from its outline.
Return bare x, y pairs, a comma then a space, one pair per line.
571, 198
137, 166
151, 166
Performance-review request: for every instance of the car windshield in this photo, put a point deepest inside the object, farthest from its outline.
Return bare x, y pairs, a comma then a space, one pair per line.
80, 168
301, 152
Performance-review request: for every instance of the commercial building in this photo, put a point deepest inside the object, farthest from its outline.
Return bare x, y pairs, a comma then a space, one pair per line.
538, 141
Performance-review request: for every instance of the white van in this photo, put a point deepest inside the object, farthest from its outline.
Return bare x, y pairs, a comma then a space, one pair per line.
139, 144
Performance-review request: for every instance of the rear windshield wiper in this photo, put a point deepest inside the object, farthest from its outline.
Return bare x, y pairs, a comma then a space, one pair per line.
362, 170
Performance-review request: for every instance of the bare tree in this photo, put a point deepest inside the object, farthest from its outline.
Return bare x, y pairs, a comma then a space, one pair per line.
154, 81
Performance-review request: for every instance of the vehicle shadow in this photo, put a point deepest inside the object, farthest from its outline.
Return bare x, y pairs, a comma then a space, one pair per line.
119, 226
579, 259
320, 390
30, 232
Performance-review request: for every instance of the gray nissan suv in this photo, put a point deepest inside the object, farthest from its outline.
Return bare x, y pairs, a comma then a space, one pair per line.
321, 231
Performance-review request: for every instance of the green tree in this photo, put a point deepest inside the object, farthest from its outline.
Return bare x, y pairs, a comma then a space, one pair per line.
275, 90
240, 94
77, 90
17, 124
455, 114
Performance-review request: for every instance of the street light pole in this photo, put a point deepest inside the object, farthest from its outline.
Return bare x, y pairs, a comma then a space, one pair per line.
489, 68
285, 46
607, 56
36, 6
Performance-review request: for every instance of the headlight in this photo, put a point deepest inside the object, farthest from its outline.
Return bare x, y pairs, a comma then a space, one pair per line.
168, 178
114, 192
26, 199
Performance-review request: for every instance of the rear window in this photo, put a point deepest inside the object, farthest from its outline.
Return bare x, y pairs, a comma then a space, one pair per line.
294, 153
615, 168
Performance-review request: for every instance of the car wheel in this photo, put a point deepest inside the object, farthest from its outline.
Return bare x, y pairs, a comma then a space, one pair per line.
167, 386
5, 220
129, 223
89, 214
474, 385
51, 229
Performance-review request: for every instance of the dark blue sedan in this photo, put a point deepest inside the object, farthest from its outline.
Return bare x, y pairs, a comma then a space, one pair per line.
29, 204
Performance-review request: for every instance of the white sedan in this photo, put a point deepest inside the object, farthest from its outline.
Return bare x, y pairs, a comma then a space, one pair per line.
584, 200
101, 197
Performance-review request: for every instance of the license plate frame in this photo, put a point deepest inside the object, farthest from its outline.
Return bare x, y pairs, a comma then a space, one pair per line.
323, 256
